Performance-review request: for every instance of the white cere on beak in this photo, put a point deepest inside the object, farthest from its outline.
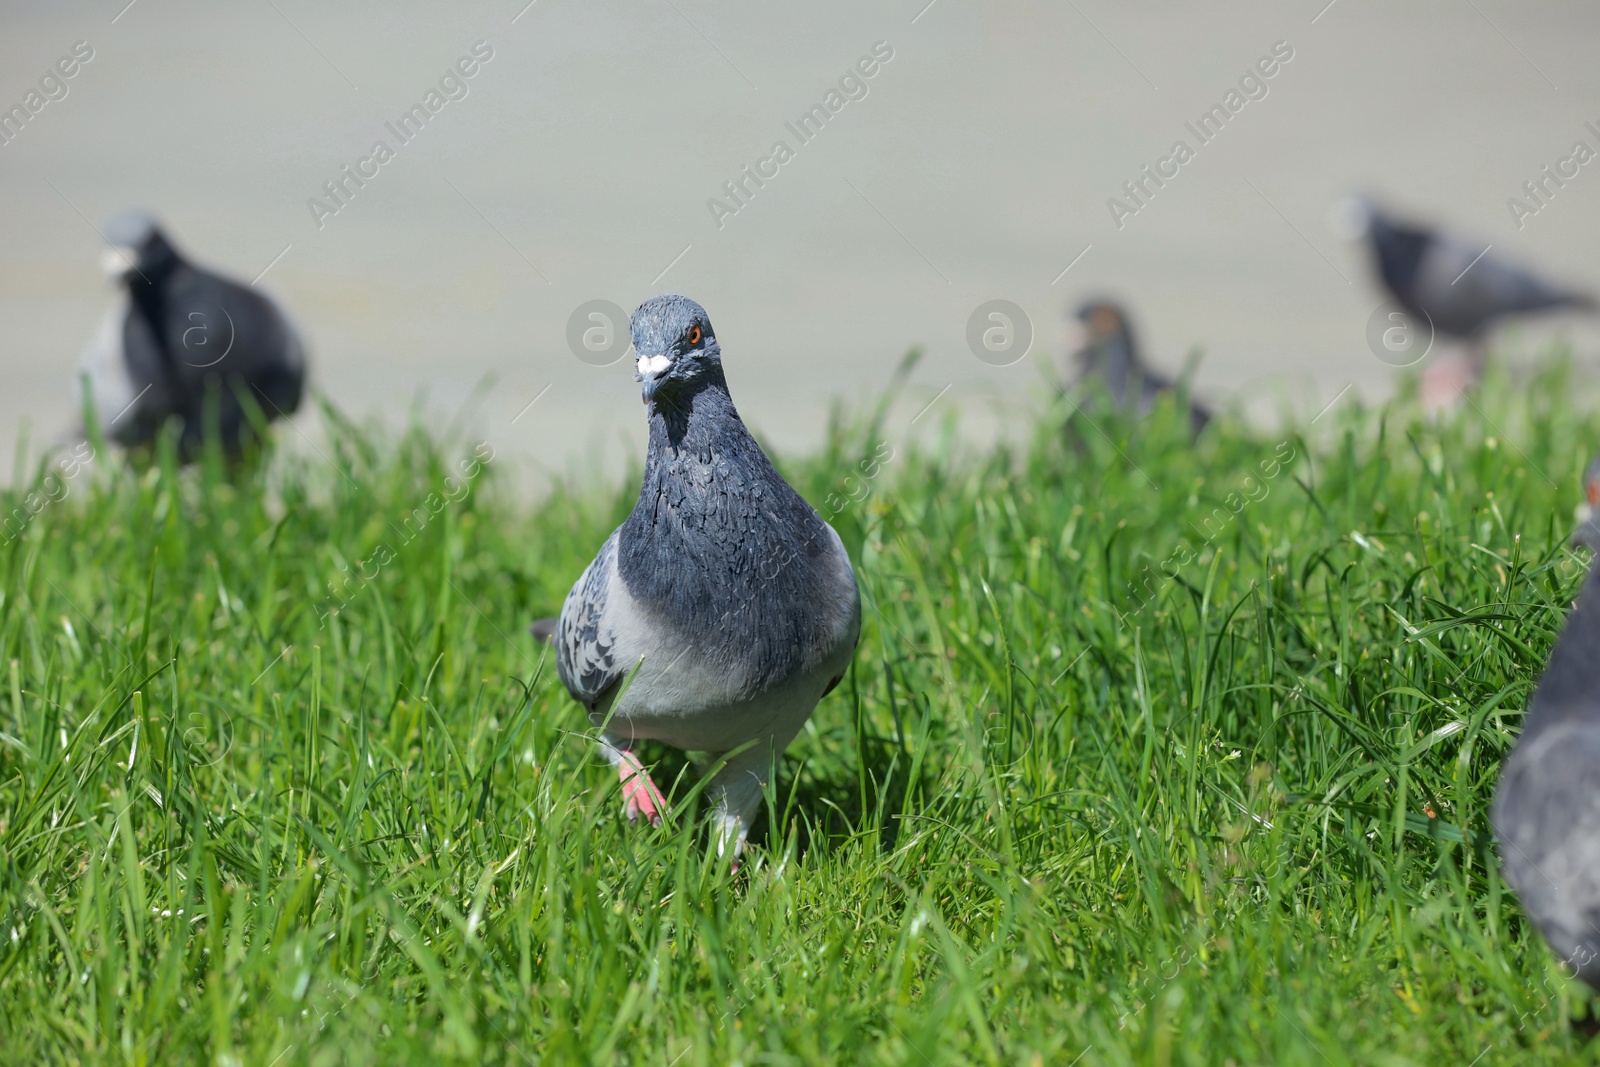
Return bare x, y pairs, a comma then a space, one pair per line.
118, 260
651, 366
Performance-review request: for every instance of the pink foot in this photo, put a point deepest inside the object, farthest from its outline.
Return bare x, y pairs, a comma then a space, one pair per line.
1446, 381
639, 794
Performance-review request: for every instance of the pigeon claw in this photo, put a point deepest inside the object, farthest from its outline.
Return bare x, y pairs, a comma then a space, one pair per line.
640, 795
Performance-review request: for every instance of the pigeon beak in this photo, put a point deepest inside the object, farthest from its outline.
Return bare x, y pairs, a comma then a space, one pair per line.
119, 261
651, 370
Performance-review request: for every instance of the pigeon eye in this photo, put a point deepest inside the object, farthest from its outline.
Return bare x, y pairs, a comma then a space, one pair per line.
694, 335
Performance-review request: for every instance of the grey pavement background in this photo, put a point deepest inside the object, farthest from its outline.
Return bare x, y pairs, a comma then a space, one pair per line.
580, 162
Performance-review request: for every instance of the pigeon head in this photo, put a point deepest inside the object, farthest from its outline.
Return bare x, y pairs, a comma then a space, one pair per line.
1106, 344
1588, 531
135, 248
1101, 319
673, 340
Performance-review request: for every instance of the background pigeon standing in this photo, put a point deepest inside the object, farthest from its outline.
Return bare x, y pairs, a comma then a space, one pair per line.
1110, 356
178, 333
733, 598
1547, 805
1457, 287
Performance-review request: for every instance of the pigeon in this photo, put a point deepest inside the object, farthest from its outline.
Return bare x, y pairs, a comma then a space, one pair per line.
1458, 288
180, 335
1547, 804
716, 617
1110, 356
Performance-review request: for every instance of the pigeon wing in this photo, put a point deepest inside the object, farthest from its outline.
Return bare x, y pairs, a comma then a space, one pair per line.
586, 655
1463, 288
218, 327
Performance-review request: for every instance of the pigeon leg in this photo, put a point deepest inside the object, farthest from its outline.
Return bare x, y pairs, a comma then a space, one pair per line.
1477, 357
640, 795
1451, 376
639, 791
738, 788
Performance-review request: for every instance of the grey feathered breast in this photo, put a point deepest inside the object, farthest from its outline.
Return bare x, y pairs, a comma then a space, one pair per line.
722, 551
721, 570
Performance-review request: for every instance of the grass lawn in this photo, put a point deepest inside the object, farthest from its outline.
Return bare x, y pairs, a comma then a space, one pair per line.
283, 778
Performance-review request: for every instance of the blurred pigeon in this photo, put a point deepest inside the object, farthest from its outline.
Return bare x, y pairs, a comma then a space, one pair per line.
178, 333
1547, 805
723, 609
1110, 355
1458, 288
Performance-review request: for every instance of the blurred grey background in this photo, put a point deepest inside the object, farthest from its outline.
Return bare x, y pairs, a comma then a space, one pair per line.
579, 164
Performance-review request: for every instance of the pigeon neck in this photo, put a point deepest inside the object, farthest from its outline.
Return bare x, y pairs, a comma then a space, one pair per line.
147, 292
147, 283
694, 418
1567, 689
1113, 360
157, 260
1399, 253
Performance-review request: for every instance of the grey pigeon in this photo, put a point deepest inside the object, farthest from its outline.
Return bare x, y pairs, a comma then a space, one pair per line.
727, 599
181, 335
1457, 287
1445, 279
1110, 357
1547, 805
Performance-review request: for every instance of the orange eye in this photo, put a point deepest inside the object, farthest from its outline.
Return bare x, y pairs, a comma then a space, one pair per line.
694, 335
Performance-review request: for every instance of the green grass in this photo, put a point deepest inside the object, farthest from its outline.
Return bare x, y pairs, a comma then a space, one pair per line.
1061, 807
